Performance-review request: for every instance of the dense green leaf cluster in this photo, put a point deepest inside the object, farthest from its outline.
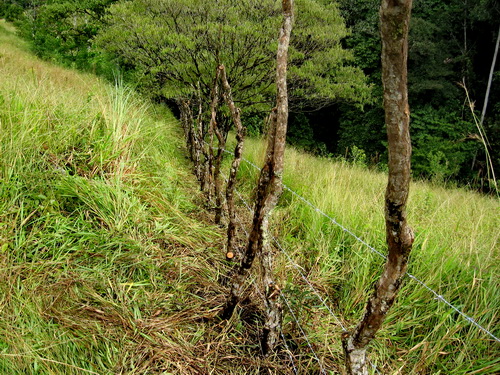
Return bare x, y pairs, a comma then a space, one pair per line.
322, 71
63, 30
451, 44
175, 46
10, 10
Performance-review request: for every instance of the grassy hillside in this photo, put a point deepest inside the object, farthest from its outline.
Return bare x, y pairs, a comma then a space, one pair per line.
456, 253
103, 268
108, 265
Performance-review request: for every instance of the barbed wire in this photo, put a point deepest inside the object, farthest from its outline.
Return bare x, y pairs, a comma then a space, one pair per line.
438, 296
374, 366
263, 297
411, 276
288, 305
282, 295
303, 277
295, 370
309, 283
298, 268
345, 229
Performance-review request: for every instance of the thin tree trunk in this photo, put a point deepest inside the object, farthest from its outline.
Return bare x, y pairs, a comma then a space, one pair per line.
394, 21
490, 79
219, 199
187, 124
182, 104
231, 250
216, 160
194, 145
268, 191
206, 181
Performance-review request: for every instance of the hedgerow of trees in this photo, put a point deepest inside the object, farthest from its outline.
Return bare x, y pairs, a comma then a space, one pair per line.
208, 58
333, 110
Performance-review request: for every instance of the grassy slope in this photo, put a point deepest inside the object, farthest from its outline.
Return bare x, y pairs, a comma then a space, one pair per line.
103, 268
456, 252
106, 270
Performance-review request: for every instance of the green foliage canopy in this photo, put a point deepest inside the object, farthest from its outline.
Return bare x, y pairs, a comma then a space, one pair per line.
10, 10
174, 48
321, 70
62, 30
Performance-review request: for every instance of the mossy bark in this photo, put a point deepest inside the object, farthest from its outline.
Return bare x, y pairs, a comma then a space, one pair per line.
268, 191
394, 23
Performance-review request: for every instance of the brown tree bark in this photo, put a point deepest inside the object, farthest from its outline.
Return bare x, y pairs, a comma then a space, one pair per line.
219, 196
231, 250
193, 136
394, 23
186, 127
206, 182
215, 161
268, 192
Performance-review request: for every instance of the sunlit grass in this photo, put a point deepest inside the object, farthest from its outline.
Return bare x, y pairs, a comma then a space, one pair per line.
105, 270
456, 253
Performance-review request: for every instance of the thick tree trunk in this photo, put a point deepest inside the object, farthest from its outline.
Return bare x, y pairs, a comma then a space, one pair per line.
268, 191
231, 250
394, 21
275, 157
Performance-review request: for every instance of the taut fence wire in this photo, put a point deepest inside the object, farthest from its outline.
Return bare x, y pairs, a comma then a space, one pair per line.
436, 295
287, 302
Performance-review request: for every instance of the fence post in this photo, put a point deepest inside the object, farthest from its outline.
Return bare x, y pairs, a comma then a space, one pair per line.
394, 24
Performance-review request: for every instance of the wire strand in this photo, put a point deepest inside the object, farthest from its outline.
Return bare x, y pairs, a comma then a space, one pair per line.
438, 296
411, 276
303, 277
298, 268
289, 352
302, 331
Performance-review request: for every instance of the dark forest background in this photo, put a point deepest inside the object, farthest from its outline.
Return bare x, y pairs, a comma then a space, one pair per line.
451, 50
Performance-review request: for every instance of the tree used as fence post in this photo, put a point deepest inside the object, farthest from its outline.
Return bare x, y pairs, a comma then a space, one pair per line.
216, 161
206, 182
193, 136
238, 152
183, 106
394, 24
268, 190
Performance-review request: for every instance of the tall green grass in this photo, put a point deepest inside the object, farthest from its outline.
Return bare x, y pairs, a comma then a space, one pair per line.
456, 253
103, 268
